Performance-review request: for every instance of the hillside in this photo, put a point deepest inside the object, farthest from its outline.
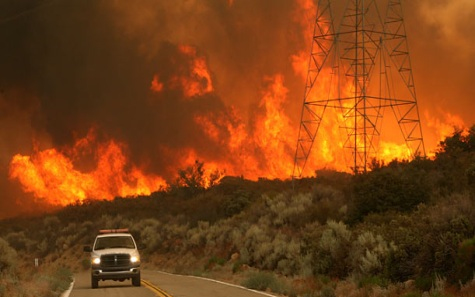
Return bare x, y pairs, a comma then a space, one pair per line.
403, 229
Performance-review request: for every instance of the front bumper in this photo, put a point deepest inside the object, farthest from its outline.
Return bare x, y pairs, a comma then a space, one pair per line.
115, 274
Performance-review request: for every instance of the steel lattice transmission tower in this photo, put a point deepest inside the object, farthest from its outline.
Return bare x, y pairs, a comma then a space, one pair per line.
359, 66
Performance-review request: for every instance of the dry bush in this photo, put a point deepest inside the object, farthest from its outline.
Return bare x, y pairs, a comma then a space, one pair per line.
173, 238
197, 236
237, 202
453, 206
19, 241
284, 207
112, 222
263, 281
286, 254
328, 204
8, 256
369, 253
147, 233
332, 251
255, 242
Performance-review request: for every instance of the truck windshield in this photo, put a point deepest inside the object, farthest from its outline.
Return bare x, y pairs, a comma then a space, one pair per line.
111, 242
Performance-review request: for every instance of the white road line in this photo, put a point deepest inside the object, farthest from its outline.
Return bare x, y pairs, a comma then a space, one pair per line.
68, 291
219, 282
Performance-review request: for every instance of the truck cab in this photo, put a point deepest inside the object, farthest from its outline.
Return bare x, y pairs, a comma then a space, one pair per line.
114, 256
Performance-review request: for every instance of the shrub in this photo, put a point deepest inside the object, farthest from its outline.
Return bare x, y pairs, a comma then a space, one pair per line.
328, 204
8, 256
236, 202
262, 281
369, 253
19, 241
423, 283
213, 261
148, 234
286, 208
283, 255
256, 243
331, 254
112, 222
373, 280
60, 279
465, 261
237, 266
397, 189
454, 161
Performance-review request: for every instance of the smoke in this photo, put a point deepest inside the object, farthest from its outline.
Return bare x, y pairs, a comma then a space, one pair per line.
68, 66
442, 48
452, 20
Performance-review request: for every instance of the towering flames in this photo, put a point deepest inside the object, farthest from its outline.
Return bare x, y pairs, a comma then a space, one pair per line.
51, 174
167, 83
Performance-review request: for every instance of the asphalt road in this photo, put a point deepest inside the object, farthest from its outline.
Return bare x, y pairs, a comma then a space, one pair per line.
160, 284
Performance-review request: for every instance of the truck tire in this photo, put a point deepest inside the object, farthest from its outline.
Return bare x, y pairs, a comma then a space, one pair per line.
94, 282
136, 280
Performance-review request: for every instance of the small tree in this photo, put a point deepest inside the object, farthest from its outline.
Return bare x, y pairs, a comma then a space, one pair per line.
454, 159
194, 179
190, 181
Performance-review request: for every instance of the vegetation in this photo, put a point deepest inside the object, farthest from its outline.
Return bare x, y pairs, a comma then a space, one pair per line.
406, 228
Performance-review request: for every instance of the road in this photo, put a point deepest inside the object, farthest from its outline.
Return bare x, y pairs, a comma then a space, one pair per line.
160, 284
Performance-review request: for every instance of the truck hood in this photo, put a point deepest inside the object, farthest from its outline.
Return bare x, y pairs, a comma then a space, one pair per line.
131, 252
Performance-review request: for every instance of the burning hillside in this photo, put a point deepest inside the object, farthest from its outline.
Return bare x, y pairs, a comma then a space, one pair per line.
102, 99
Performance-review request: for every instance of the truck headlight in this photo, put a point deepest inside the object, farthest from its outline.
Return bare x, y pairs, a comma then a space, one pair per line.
96, 261
134, 259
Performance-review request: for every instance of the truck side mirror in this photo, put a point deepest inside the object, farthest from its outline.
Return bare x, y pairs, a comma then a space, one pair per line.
87, 249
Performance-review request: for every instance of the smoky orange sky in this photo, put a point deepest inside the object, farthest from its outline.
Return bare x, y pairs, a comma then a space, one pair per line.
129, 92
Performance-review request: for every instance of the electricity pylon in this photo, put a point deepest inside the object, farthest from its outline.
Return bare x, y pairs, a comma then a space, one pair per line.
359, 66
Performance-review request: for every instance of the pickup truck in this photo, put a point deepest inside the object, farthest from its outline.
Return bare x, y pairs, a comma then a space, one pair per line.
114, 256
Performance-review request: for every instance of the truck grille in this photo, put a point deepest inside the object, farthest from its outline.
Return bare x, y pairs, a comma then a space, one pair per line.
115, 260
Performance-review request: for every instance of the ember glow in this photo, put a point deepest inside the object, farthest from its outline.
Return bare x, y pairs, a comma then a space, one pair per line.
117, 107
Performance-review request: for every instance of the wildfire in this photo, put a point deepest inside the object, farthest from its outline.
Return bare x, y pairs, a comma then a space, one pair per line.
262, 145
51, 175
274, 133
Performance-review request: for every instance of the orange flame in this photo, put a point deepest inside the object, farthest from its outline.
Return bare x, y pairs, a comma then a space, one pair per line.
445, 127
266, 148
156, 85
200, 81
274, 133
441, 127
196, 83
51, 175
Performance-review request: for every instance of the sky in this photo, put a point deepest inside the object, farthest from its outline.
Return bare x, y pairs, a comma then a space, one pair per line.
158, 84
